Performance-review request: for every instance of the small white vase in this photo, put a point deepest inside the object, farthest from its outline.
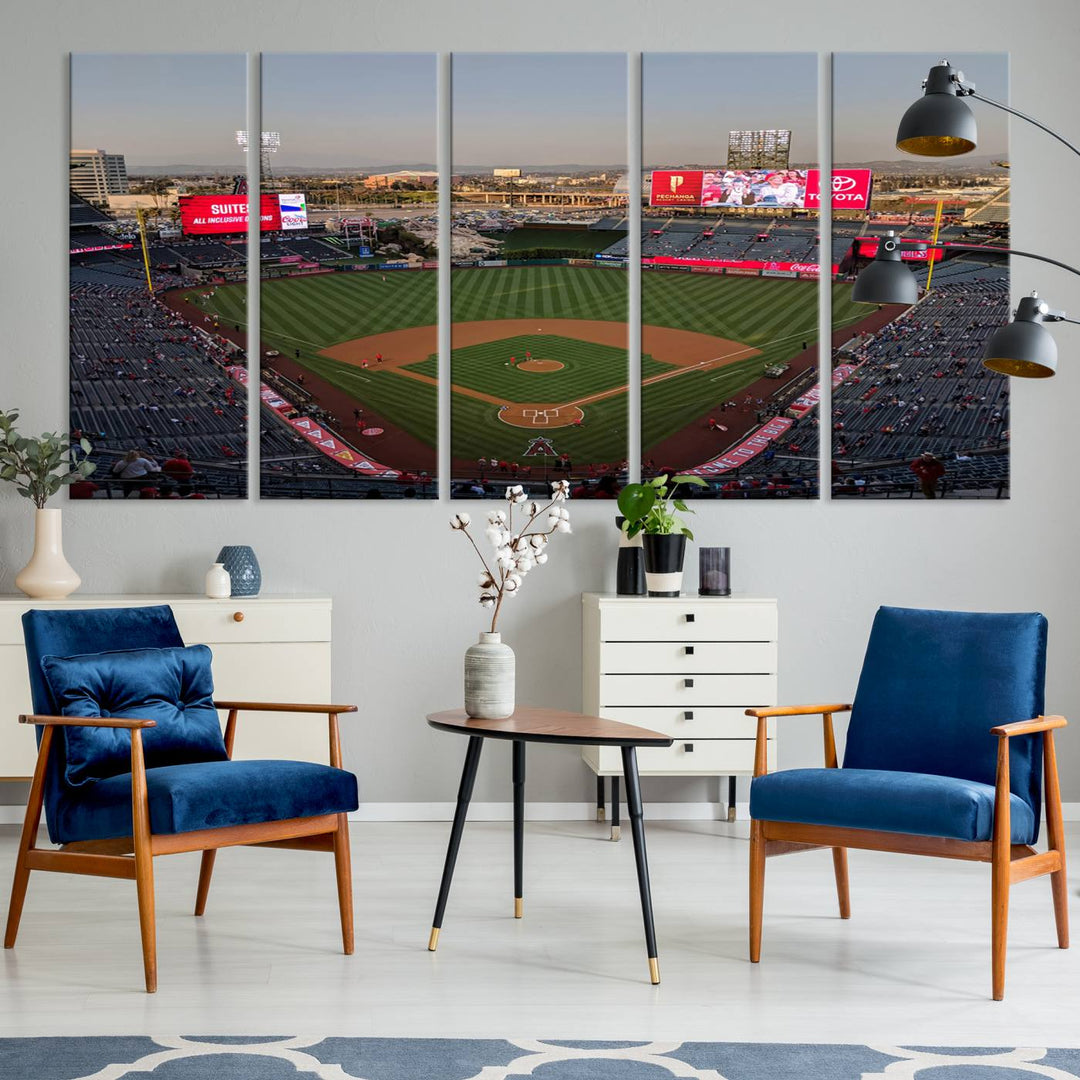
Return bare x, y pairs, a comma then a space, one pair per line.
48, 575
218, 582
489, 679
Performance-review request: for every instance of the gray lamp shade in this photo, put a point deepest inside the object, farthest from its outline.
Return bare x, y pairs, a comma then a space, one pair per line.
885, 281
939, 124
1023, 348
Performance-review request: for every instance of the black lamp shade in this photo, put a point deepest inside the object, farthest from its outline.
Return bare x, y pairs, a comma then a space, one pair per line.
939, 124
1024, 349
885, 282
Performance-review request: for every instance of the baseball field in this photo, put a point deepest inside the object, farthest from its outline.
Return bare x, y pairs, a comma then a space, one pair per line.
705, 339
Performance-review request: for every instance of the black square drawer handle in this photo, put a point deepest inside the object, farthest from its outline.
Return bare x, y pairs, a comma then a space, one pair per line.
688, 715
688, 683
689, 616
688, 747
689, 650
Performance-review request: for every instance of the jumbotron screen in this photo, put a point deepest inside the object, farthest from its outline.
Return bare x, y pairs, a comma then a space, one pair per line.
217, 215
782, 188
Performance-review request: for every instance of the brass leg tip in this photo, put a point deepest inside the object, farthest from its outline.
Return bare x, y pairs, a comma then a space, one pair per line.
433, 940
519, 907
654, 971
616, 832
600, 814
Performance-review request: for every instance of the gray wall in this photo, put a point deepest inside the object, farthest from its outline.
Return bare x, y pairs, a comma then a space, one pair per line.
404, 602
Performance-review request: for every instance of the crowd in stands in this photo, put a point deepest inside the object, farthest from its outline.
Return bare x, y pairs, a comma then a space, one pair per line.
145, 380
921, 389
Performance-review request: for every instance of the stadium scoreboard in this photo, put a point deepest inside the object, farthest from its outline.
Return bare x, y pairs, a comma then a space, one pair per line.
768, 148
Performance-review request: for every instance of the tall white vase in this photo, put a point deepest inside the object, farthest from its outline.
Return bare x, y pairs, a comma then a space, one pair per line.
489, 679
48, 575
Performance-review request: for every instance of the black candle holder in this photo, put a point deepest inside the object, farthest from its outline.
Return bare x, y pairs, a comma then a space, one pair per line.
714, 571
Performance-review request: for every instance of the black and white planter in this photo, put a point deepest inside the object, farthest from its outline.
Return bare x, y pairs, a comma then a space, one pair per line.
664, 555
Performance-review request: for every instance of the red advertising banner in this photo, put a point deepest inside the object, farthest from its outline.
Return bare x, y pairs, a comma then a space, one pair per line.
868, 249
744, 266
315, 433
215, 215
748, 449
850, 189
676, 187
812, 398
800, 188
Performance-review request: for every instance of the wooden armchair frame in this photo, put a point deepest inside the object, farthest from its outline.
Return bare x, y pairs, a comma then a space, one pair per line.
132, 857
1009, 862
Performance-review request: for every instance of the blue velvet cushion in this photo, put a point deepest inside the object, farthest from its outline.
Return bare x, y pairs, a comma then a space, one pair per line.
209, 795
889, 801
933, 683
172, 686
67, 631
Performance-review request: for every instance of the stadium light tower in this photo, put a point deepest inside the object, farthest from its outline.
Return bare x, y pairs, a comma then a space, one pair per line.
1022, 348
269, 143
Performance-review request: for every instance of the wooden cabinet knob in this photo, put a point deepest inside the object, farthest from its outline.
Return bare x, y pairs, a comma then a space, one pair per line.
238, 616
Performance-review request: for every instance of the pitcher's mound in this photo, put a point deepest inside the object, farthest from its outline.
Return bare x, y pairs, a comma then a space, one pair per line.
540, 365
540, 417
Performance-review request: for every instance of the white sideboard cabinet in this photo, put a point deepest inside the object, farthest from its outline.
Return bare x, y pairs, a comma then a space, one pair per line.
266, 648
688, 666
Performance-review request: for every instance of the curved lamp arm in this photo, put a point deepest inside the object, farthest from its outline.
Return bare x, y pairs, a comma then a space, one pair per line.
969, 91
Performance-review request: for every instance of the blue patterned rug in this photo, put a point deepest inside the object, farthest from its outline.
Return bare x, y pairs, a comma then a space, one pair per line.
283, 1058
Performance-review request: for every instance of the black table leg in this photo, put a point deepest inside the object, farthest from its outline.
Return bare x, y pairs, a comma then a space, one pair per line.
519, 826
615, 800
637, 827
468, 778
731, 798
600, 798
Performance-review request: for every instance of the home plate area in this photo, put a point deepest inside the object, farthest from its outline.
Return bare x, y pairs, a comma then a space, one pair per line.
540, 416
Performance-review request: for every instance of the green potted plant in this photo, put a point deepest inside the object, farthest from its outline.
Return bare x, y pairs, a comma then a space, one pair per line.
39, 467
653, 509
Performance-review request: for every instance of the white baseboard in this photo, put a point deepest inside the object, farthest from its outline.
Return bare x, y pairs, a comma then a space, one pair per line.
12, 814
542, 811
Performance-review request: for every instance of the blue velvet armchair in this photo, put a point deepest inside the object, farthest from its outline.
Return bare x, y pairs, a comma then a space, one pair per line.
947, 753
132, 763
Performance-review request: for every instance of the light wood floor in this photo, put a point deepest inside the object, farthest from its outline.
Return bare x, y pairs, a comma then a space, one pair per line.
911, 966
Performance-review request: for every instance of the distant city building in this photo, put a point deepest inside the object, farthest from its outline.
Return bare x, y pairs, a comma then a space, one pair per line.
404, 176
95, 175
763, 149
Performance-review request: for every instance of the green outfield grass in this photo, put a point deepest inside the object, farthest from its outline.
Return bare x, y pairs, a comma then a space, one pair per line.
554, 292
311, 313
583, 240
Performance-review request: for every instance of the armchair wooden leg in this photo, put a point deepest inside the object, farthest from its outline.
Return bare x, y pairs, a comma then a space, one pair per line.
1000, 870
839, 858
757, 888
28, 840
144, 861
1055, 830
343, 867
206, 871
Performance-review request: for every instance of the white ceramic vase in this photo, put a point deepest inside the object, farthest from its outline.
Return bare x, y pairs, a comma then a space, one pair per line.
218, 582
489, 679
48, 575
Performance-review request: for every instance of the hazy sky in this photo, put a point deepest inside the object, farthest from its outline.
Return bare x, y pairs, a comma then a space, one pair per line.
690, 101
160, 109
515, 109
871, 92
340, 109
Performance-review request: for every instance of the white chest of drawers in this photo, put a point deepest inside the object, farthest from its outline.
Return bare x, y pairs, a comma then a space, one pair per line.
687, 666
266, 648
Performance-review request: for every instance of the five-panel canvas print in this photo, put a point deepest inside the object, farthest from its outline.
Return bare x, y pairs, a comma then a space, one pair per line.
551, 227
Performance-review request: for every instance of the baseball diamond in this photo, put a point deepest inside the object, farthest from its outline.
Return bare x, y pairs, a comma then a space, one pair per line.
540, 348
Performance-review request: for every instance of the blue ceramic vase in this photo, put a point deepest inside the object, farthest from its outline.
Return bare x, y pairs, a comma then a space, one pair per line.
243, 568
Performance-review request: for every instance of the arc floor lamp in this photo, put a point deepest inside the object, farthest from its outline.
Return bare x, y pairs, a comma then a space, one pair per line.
941, 124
